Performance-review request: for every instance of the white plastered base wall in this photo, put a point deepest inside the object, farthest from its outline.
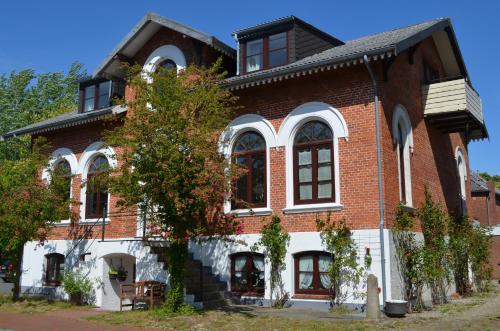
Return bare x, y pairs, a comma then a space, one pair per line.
213, 253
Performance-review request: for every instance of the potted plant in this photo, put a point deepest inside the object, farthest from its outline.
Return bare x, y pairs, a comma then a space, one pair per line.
113, 273
122, 274
77, 285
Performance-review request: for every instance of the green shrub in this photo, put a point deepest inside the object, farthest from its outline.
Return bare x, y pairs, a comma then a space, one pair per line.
77, 284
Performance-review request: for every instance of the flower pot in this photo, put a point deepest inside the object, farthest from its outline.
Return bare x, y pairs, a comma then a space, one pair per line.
76, 299
396, 308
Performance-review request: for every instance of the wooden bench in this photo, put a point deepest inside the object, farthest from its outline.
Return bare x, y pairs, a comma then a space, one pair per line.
150, 292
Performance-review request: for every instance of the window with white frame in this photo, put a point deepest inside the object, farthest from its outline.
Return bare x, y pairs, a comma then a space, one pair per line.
310, 134
403, 143
96, 203
462, 177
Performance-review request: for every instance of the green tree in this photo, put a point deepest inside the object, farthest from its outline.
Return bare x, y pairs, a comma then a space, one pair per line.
170, 165
29, 206
493, 178
27, 97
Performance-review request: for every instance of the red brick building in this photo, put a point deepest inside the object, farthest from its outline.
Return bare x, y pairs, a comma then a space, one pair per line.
347, 127
485, 209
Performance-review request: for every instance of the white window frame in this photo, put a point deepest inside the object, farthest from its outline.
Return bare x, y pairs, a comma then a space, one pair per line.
462, 177
401, 118
240, 125
90, 153
57, 156
311, 111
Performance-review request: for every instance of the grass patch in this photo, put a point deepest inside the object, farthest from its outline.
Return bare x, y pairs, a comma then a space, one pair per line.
225, 321
455, 308
342, 310
31, 305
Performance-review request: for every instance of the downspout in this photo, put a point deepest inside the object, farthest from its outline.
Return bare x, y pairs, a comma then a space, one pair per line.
379, 171
488, 207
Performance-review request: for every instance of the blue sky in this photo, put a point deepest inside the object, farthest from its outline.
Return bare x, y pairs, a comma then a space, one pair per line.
50, 35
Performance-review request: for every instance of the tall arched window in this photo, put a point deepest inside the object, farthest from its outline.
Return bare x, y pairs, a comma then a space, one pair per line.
97, 193
249, 152
62, 170
402, 135
462, 177
313, 164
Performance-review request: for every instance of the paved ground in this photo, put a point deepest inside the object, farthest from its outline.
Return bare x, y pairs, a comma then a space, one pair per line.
61, 320
5, 288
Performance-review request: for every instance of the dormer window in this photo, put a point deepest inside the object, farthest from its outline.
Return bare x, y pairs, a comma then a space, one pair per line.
277, 50
96, 94
267, 52
255, 52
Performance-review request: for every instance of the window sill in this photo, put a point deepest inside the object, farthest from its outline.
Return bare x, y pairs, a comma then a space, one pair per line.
252, 212
311, 296
93, 221
314, 208
62, 223
409, 209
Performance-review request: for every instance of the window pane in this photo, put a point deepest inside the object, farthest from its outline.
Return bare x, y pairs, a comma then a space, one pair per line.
324, 263
254, 63
305, 157
277, 41
324, 154
254, 47
240, 263
104, 92
305, 174
324, 190
89, 98
313, 131
305, 191
324, 172
258, 272
258, 169
306, 272
277, 58
249, 141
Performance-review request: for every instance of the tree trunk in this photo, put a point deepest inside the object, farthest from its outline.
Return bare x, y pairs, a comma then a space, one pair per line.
18, 271
177, 255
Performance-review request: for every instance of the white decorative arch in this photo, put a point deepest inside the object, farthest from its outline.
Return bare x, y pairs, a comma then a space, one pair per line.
462, 171
58, 155
89, 154
311, 111
401, 118
166, 52
400, 115
240, 125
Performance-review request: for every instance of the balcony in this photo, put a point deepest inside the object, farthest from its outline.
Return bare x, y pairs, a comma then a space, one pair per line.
454, 106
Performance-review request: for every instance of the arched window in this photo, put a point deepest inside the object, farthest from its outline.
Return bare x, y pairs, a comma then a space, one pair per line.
402, 135
97, 193
311, 272
313, 164
247, 273
167, 64
54, 266
62, 170
249, 152
462, 177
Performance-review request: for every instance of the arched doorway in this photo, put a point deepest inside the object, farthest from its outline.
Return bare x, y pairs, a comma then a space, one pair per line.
118, 268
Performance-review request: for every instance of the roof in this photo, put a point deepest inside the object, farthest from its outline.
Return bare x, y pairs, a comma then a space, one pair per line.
478, 184
249, 32
68, 119
145, 29
389, 43
377, 46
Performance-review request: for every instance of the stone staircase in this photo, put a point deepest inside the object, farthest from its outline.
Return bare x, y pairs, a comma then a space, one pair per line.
203, 288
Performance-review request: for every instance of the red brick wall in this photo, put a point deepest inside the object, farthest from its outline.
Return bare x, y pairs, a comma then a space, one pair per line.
195, 51
350, 91
432, 162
